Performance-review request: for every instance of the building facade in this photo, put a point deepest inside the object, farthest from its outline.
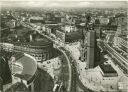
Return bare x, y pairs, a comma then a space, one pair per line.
91, 48
41, 51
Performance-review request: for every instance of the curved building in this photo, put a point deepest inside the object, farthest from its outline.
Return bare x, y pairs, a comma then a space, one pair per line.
41, 49
23, 68
28, 41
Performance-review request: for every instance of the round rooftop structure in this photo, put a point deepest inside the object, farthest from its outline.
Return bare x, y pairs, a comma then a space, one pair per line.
44, 42
24, 66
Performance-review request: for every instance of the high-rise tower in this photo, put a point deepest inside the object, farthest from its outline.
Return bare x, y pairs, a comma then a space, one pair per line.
88, 51
91, 44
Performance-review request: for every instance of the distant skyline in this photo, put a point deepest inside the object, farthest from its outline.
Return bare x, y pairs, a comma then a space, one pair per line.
64, 3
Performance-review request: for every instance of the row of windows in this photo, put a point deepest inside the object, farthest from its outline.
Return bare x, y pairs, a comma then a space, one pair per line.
40, 57
27, 49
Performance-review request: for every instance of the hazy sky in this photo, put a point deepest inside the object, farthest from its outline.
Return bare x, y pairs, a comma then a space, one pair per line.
64, 3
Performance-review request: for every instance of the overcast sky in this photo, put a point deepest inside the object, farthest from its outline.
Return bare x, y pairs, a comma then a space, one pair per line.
64, 3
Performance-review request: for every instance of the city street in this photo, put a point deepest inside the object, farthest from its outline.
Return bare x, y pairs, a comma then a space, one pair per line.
63, 46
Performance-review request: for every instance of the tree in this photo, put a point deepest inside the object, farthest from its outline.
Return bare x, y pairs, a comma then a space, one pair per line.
5, 72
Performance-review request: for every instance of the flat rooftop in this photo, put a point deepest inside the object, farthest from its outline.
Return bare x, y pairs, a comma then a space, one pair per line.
41, 42
107, 68
29, 65
38, 40
74, 36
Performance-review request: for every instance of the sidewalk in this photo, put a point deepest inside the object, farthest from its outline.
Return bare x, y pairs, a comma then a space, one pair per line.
53, 66
90, 78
